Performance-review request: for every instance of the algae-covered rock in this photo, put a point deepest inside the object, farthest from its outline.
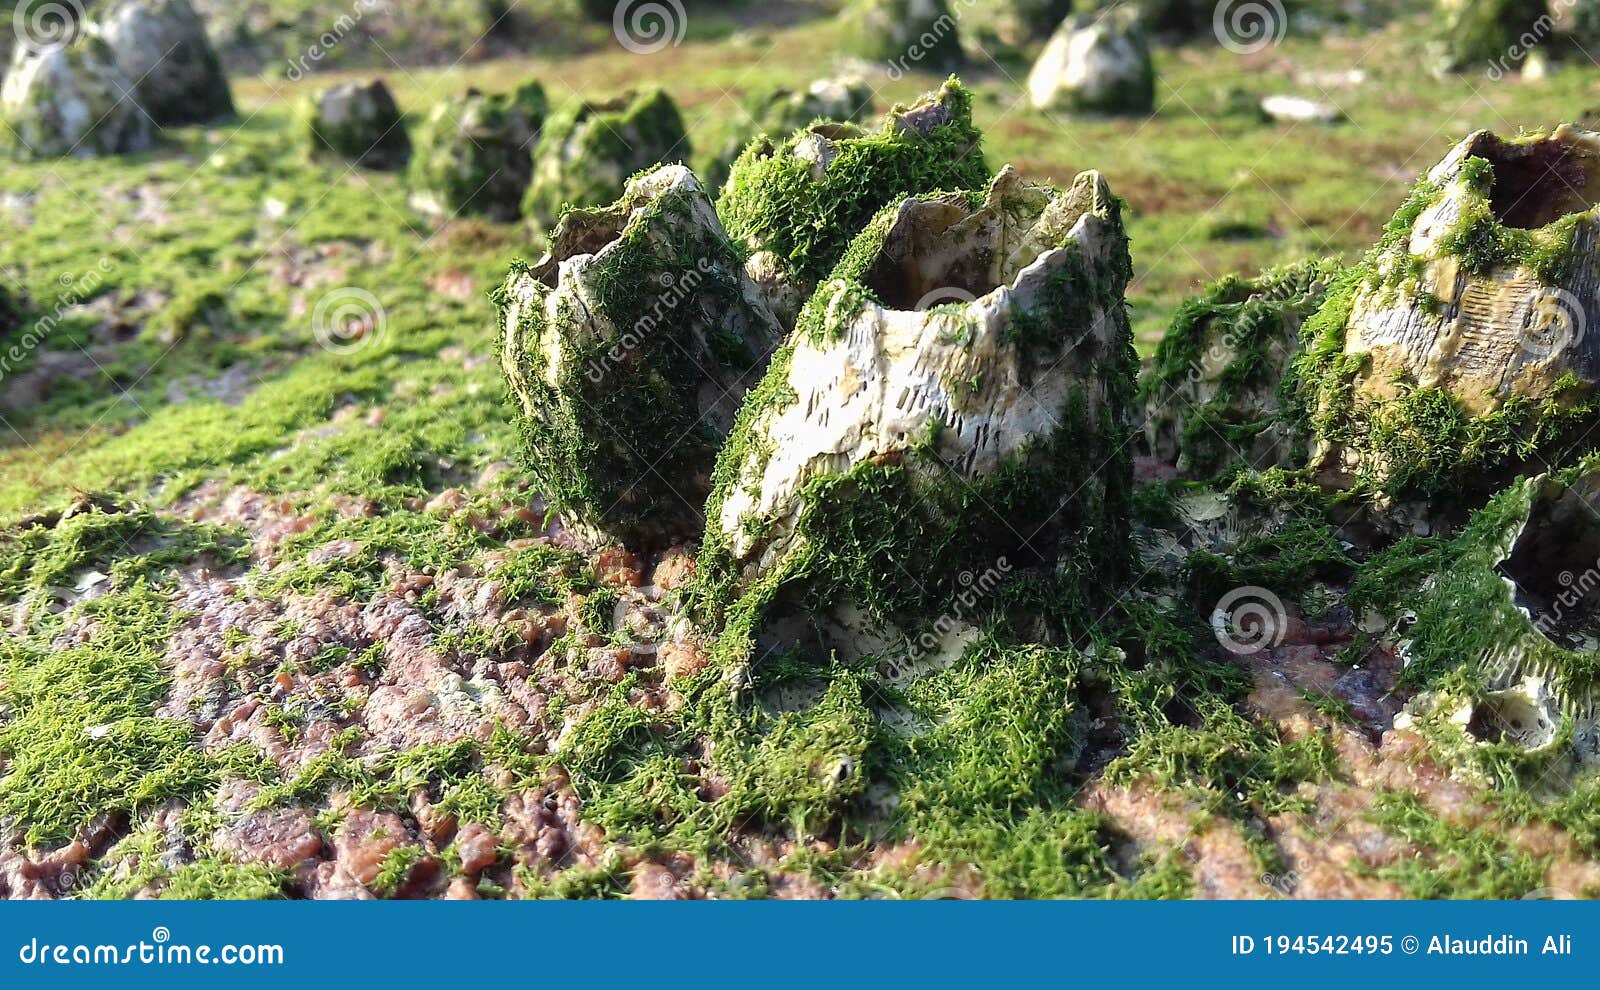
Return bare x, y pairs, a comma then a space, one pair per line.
784, 111
475, 155
1002, 25
952, 406
1503, 636
589, 150
804, 198
1484, 34
628, 349
1464, 349
358, 122
1189, 20
1211, 399
71, 99
909, 35
162, 46
1098, 63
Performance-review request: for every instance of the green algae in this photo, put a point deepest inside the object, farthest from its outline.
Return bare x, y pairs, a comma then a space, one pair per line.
774, 201
616, 428
589, 151
1423, 442
82, 737
856, 525
1212, 393
474, 155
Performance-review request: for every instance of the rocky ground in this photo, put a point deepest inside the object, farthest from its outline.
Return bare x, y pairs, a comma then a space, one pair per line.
283, 614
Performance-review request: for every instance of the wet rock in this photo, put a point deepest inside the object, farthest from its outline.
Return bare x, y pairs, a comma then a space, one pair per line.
71, 100
908, 35
359, 123
478, 848
589, 151
966, 368
795, 204
1504, 633
1099, 64
1211, 398
628, 348
474, 154
365, 843
1465, 346
281, 837
784, 111
162, 46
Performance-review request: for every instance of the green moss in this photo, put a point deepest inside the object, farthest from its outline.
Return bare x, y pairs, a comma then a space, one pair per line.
1213, 388
1484, 34
589, 150
1467, 634
1458, 861
372, 133
50, 552
776, 114
82, 738
474, 155
218, 880
1001, 726
1424, 442
1119, 33
906, 34
859, 525
774, 202
617, 429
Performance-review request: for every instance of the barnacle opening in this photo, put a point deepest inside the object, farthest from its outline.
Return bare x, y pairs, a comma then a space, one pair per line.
1523, 715
1554, 563
1538, 182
